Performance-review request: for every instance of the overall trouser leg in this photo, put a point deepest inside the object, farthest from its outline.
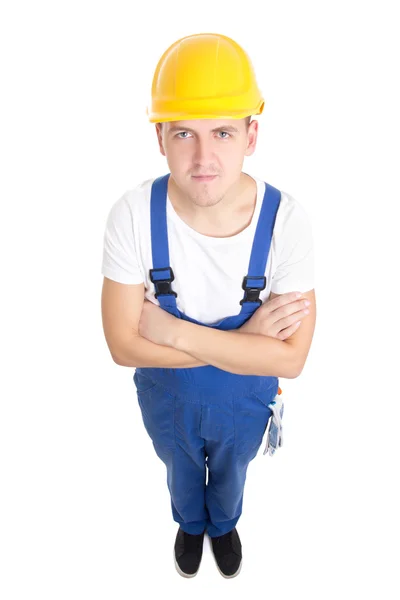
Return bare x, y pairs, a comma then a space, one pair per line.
225, 489
173, 426
187, 469
233, 433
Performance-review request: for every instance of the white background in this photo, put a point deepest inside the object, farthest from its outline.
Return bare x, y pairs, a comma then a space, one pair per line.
84, 505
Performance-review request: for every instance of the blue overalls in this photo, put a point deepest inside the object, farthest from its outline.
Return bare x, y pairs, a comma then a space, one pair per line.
204, 415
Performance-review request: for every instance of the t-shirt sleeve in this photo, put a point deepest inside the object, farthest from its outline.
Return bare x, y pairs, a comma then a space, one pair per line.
120, 261
295, 252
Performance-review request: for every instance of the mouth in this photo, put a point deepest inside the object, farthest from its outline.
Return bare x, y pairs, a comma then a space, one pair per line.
204, 177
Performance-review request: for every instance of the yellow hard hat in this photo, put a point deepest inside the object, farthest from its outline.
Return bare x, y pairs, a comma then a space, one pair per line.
204, 76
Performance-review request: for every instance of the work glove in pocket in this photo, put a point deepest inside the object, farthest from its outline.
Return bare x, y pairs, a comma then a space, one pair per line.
274, 437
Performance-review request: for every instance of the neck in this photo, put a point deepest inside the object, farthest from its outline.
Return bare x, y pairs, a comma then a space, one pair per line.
228, 216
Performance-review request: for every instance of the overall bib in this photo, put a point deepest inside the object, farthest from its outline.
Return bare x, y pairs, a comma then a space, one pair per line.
205, 416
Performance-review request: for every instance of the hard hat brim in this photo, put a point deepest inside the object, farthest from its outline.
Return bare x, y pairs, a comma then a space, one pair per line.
164, 118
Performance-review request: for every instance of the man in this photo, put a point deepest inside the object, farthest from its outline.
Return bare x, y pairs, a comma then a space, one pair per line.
190, 261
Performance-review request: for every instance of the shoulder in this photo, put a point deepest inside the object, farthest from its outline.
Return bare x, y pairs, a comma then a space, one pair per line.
133, 201
139, 194
292, 219
291, 208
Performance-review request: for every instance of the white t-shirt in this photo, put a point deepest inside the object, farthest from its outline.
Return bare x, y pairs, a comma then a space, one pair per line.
208, 271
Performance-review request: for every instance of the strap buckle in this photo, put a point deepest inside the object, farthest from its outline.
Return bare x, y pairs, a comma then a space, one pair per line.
162, 284
252, 291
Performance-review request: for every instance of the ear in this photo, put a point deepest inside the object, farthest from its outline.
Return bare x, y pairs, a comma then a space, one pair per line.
251, 138
159, 137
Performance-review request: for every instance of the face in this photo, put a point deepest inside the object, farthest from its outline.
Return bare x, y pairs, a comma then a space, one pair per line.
210, 147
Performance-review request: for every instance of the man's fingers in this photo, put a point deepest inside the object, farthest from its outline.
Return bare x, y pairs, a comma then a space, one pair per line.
283, 300
288, 331
288, 297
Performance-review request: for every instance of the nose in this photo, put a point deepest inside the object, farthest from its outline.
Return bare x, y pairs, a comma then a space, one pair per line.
203, 154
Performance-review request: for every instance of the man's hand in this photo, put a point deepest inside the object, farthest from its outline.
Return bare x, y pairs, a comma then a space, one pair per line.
255, 354
156, 324
277, 318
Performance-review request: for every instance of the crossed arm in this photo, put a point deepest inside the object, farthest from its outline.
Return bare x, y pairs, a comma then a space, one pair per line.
166, 340
242, 353
141, 334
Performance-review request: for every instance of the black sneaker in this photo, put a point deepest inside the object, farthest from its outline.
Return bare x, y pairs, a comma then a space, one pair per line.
227, 551
188, 551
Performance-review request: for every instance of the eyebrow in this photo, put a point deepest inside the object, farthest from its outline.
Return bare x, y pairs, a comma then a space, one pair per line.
228, 128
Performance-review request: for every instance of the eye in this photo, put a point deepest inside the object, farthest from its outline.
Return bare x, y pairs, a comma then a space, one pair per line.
182, 135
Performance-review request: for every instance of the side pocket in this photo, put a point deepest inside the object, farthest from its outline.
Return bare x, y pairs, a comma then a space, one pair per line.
251, 419
143, 383
266, 392
157, 407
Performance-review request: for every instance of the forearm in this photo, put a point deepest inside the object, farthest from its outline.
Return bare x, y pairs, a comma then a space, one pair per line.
241, 353
140, 352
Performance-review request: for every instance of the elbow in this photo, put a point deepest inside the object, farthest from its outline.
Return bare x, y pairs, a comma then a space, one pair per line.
123, 355
293, 374
295, 371
117, 360
294, 363
293, 367
115, 356
123, 362
288, 372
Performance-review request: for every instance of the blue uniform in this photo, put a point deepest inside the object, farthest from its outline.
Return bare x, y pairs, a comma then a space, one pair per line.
204, 415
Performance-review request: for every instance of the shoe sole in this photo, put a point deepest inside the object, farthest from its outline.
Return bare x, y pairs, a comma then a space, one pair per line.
223, 574
228, 576
182, 572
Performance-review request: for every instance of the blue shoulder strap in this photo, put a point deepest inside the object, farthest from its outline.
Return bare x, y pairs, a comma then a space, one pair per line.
162, 274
